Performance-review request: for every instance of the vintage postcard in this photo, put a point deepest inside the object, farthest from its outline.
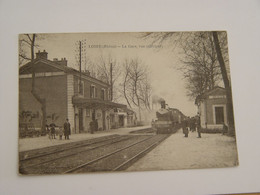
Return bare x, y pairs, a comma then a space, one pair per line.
101, 102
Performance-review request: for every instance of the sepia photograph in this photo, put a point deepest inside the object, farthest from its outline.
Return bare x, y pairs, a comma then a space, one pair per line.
129, 97
125, 101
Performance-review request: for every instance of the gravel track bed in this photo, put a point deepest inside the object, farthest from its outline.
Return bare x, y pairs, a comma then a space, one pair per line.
111, 162
72, 151
43, 151
66, 163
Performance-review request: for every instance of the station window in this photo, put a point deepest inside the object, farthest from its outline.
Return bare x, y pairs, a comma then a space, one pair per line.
103, 94
81, 87
93, 93
108, 94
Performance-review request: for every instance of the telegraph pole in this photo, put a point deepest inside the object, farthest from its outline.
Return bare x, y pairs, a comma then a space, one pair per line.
80, 86
111, 81
80, 59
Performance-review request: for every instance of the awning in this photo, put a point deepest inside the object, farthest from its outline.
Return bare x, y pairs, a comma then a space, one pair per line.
96, 103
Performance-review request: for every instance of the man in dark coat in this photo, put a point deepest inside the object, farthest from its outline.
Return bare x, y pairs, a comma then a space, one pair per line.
67, 129
96, 125
92, 127
198, 127
185, 129
52, 125
48, 131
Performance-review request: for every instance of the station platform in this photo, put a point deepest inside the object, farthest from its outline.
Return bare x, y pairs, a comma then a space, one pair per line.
179, 152
44, 141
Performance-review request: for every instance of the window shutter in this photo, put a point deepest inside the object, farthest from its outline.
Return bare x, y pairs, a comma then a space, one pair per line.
91, 92
76, 86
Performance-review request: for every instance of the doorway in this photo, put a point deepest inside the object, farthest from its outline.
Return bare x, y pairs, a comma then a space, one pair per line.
121, 120
219, 114
104, 119
80, 120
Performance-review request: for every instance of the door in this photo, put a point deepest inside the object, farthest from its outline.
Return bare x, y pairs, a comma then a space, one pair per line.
121, 120
104, 119
219, 112
80, 119
93, 115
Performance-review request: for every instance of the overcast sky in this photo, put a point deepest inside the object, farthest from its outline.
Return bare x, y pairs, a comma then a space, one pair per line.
166, 81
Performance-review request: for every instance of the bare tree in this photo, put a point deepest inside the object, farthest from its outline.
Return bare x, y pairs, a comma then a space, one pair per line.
136, 87
227, 82
126, 81
29, 41
108, 71
220, 52
201, 70
146, 92
27, 45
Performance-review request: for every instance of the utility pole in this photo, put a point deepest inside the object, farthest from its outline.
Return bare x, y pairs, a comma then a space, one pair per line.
80, 86
80, 52
80, 59
111, 81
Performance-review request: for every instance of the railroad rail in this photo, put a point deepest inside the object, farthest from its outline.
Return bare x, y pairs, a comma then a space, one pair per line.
36, 153
136, 157
73, 151
112, 153
138, 149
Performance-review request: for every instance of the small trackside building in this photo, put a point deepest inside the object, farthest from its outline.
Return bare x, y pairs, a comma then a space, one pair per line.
68, 94
212, 108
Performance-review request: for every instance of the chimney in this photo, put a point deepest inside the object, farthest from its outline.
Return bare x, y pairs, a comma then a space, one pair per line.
42, 55
62, 62
163, 104
86, 72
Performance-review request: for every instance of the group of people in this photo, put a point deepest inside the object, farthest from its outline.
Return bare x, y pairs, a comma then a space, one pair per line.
191, 125
66, 130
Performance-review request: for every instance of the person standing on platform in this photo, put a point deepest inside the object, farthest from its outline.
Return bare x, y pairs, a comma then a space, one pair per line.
96, 125
198, 127
185, 128
48, 131
60, 132
67, 130
52, 125
92, 127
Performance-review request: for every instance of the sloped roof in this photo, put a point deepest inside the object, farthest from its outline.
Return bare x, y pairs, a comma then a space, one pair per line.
96, 103
27, 68
215, 90
44, 65
129, 111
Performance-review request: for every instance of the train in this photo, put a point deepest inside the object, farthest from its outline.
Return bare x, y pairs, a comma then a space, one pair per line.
168, 120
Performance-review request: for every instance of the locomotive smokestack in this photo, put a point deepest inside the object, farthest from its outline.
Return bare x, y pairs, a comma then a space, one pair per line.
163, 104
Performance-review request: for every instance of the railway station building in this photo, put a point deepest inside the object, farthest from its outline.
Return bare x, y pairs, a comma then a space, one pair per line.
69, 94
212, 108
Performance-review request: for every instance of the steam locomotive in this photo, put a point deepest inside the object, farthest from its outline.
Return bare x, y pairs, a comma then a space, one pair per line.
168, 121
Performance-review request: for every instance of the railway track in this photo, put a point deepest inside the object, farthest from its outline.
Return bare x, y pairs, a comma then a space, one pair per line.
31, 154
121, 159
111, 154
63, 153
